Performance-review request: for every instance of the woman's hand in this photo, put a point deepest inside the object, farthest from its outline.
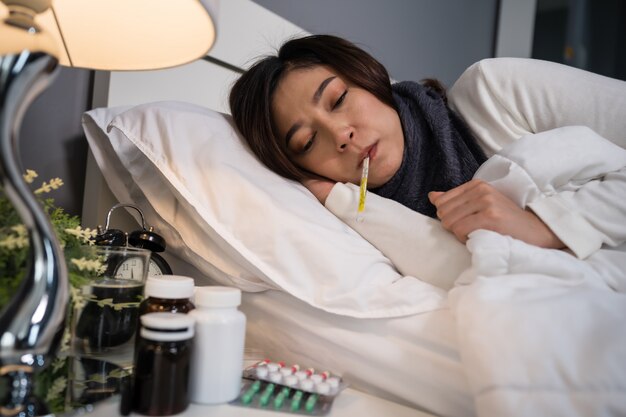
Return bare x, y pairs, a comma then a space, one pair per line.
477, 205
320, 187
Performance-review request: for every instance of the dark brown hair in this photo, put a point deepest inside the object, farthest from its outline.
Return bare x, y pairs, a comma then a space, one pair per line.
252, 94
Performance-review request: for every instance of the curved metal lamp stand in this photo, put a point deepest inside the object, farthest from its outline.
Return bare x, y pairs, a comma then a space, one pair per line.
31, 325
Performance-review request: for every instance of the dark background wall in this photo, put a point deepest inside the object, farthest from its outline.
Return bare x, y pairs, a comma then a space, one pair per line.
52, 140
414, 39
589, 34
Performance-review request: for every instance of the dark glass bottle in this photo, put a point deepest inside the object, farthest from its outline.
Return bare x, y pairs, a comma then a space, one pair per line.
168, 293
162, 361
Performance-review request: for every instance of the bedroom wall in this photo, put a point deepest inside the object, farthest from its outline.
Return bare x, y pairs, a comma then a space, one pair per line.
414, 39
52, 140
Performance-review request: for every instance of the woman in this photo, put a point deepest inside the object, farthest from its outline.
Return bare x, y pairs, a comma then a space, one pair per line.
317, 109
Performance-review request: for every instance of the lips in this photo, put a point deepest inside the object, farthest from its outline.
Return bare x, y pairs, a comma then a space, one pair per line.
371, 151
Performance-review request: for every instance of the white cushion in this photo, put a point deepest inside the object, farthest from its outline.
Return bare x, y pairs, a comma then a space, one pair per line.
229, 216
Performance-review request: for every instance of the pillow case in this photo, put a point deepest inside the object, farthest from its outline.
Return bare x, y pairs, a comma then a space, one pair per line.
229, 216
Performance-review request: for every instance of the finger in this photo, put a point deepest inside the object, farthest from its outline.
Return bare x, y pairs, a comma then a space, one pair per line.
460, 205
456, 192
446, 202
459, 209
434, 195
467, 225
476, 195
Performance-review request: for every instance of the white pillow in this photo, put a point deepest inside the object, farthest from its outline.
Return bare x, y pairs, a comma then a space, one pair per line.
232, 218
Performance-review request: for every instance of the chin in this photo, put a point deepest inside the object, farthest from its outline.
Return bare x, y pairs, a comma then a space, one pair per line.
381, 179
375, 184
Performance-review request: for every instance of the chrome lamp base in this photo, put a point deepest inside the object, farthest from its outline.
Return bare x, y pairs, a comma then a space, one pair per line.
32, 323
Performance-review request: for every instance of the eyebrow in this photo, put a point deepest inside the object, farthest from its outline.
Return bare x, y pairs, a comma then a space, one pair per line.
321, 88
316, 98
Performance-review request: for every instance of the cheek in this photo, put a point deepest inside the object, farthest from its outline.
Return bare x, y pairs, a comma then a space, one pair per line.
385, 118
342, 171
332, 167
366, 107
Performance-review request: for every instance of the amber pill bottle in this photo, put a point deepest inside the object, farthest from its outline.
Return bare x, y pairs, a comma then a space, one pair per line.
167, 293
162, 364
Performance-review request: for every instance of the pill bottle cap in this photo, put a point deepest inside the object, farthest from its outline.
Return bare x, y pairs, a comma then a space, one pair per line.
215, 296
169, 287
167, 327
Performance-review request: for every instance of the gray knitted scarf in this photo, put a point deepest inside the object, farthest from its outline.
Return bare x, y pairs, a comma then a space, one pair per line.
440, 152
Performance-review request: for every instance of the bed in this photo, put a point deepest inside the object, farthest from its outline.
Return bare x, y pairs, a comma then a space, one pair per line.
316, 292
290, 319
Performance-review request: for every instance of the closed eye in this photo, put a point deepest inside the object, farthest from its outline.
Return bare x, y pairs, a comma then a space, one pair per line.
340, 100
308, 144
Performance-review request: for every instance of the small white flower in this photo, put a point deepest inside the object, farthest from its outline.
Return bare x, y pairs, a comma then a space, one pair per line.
30, 176
58, 363
88, 265
12, 242
46, 187
55, 390
19, 230
78, 299
65, 342
85, 235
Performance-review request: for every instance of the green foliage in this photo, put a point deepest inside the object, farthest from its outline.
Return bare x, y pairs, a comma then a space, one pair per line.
14, 249
13, 258
12, 261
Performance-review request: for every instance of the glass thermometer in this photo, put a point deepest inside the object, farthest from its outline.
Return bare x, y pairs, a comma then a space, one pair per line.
363, 188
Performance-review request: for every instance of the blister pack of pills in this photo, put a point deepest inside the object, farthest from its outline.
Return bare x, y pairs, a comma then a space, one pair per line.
275, 386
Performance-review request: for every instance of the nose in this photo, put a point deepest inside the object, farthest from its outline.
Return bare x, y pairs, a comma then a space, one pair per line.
336, 130
342, 135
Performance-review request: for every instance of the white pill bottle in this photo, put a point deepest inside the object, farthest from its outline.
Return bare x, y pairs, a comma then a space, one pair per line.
217, 358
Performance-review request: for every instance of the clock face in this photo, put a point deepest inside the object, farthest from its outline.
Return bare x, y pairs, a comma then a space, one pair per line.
158, 266
154, 269
130, 269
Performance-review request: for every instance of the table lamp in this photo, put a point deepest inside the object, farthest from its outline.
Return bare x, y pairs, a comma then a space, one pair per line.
36, 36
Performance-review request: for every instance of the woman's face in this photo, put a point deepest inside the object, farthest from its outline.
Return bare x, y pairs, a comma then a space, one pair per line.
329, 126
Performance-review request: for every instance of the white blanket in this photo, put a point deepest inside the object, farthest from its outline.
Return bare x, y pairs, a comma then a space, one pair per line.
541, 332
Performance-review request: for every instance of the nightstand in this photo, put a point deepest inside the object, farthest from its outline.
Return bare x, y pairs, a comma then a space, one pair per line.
350, 403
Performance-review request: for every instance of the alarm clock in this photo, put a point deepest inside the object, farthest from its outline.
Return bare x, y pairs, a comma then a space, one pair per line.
145, 238
148, 239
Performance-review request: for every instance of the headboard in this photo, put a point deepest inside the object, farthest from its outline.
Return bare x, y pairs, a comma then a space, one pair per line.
245, 31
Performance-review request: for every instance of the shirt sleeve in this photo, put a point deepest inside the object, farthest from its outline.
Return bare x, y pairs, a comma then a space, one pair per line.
503, 99
573, 179
417, 245
587, 218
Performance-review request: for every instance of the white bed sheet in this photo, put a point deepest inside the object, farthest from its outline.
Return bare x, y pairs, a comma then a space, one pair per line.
412, 360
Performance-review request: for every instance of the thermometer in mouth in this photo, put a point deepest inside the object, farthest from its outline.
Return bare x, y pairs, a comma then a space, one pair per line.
363, 188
